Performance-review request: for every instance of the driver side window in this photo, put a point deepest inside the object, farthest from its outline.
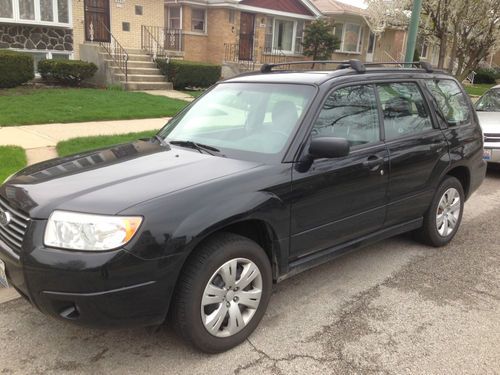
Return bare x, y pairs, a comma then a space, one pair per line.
350, 113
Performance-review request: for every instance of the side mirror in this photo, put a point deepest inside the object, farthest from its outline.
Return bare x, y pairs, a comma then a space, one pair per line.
323, 147
329, 147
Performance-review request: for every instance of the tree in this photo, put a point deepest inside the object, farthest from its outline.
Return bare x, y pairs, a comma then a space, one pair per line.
384, 13
319, 41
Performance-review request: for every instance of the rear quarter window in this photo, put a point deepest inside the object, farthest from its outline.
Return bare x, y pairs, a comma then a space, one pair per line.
451, 101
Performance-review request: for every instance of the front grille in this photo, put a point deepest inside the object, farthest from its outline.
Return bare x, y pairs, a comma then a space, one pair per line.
13, 233
489, 137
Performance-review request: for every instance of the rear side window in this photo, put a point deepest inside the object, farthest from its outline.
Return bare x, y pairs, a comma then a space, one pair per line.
450, 100
350, 113
404, 109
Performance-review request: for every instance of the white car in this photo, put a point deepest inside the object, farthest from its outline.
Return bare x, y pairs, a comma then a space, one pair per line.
488, 111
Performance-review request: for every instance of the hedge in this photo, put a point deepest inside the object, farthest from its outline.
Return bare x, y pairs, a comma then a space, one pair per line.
189, 74
15, 68
69, 72
485, 75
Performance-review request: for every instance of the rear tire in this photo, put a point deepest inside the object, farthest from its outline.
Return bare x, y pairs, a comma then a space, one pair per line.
443, 218
222, 294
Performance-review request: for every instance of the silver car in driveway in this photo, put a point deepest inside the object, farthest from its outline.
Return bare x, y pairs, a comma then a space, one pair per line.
488, 111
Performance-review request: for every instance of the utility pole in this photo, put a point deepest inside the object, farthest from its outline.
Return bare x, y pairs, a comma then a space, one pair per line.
413, 30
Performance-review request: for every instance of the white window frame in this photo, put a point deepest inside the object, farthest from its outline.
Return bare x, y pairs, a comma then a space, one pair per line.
16, 19
294, 35
180, 15
427, 47
359, 44
205, 28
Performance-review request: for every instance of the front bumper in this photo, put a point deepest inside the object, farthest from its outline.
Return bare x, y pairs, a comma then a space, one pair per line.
107, 289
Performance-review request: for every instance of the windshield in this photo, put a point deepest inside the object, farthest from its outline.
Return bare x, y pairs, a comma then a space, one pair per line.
489, 102
247, 120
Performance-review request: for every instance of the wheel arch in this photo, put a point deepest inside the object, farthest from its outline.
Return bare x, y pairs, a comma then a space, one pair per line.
462, 174
255, 229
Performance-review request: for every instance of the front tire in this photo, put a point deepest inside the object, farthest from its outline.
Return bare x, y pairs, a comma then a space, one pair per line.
442, 220
222, 293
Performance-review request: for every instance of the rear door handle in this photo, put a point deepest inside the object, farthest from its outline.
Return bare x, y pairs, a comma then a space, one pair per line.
373, 162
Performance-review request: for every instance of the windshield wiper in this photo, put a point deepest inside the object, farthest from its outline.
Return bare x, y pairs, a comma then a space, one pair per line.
196, 146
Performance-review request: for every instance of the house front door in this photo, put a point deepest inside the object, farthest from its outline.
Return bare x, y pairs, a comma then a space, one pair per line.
247, 26
97, 21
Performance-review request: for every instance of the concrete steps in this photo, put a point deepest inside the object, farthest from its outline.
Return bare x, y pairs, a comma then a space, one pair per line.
142, 73
139, 86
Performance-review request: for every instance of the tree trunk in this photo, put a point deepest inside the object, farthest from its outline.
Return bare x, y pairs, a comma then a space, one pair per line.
453, 55
443, 46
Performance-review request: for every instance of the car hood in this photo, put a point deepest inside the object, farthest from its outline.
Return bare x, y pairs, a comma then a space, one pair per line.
489, 121
109, 180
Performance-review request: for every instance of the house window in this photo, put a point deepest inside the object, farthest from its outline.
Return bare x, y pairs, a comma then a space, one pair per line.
45, 12
6, 9
174, 18
299, 34
198, 20
27, 9
126, 26
350, 37
62, 11
138, 10
424, 49
283, 35
231, 16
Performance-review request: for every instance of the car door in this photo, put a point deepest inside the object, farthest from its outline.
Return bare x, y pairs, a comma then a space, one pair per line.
418, 150
337, 200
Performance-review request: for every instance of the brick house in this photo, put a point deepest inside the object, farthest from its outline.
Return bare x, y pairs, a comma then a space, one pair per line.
229, 32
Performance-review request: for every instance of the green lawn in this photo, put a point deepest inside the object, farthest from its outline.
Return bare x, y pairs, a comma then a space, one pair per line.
77, 145
194, 94
478, 89
12, 159
24, 106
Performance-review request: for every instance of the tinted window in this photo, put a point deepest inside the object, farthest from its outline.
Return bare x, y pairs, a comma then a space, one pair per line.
489, 102
404, 109
350, 113
450, 100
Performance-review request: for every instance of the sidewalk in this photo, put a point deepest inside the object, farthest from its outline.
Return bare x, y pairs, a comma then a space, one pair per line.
36, 136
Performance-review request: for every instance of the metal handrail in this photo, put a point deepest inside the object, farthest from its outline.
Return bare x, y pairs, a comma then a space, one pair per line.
150, 44
116, 51
272, 55
154, 38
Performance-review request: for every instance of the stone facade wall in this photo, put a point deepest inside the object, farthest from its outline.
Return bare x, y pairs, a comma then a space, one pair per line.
43, 38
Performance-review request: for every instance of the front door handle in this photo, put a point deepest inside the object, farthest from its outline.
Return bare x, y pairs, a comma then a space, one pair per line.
373, 162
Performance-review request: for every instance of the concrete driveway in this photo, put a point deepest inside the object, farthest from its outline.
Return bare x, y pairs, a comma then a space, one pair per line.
395, 307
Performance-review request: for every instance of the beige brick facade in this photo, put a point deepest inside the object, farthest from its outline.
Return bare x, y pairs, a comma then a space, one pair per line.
222, 27
121, 11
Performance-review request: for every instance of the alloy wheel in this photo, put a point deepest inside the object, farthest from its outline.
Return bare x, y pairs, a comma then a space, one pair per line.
448, 212
231, 297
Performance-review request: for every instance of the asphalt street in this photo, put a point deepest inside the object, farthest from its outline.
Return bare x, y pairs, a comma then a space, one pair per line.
392, 308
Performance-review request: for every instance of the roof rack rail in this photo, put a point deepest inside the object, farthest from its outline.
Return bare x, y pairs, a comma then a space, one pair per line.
416, 64
357, 65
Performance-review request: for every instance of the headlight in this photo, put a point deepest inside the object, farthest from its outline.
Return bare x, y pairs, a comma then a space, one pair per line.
85, 232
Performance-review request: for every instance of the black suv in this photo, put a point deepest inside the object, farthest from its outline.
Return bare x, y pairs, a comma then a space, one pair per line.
264, 176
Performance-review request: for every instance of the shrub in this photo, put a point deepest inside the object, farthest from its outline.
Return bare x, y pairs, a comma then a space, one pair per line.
69, 72
485, 75
189, 74
15, 68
